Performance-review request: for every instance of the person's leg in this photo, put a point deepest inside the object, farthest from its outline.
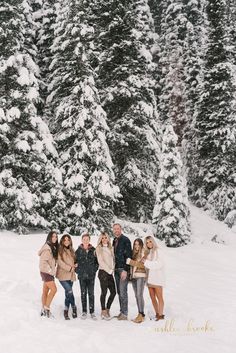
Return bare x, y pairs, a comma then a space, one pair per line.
112, 289
44, 294
83, 291
69, 296
117, 279
152, 293
52, 291
134, 285
159, 295
103, 285
140, 290
91, 282
124, 296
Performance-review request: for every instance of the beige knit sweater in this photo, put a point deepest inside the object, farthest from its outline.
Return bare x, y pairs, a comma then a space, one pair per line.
105, 256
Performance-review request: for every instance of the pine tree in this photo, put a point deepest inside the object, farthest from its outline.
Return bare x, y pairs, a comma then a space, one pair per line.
125, 36
79, 124
26, 146
172, 42
171, 212
45, 17
193, 62
213, 161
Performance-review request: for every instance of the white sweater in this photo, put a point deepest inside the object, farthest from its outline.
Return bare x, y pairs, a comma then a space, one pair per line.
156, 269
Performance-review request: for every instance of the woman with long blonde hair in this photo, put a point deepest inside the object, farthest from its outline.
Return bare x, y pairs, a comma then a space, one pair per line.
66, 273
154, 263
105, 257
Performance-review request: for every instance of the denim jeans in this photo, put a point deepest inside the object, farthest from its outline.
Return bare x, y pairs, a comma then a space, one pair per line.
69, 296
138, 286
122, 290
87, 287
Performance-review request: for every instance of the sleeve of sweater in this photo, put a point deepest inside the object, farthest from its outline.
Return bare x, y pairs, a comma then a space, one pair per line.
155, 264
135, 263
102, 263
63, 265
127, 253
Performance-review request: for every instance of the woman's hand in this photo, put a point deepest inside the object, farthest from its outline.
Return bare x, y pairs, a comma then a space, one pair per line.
123, 275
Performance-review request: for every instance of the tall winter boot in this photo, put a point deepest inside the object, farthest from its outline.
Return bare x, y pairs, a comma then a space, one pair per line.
66, 315
74, 312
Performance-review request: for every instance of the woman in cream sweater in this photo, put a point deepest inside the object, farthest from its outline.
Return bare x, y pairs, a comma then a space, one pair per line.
66, 273
155, 265
105, 257
47, 265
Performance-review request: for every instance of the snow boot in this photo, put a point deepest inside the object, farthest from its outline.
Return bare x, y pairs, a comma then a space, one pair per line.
74, 312
139, 318
66, 315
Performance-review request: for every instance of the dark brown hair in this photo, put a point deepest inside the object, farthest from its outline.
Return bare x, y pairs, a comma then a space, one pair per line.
54, 246
62, 247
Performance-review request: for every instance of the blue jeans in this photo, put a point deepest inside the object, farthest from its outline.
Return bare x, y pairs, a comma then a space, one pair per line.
69, 296
138, 286
122, 290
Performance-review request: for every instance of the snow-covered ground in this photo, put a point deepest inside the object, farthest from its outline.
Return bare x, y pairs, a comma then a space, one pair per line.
200, 303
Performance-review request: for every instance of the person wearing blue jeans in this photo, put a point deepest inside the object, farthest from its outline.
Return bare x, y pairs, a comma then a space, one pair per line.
138, 274
69, 296
122, 251
66, 266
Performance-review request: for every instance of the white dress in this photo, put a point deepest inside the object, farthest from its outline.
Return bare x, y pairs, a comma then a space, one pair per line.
156, 269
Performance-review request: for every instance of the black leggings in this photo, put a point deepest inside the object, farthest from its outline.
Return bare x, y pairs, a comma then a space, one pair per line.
106, 282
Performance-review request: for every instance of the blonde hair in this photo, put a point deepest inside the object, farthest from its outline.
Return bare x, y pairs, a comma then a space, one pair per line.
99, 244
154, 248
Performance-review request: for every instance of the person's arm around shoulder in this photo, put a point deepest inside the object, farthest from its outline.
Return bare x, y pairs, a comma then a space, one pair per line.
134, 263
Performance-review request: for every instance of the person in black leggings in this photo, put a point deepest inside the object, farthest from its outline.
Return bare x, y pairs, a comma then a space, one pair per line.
105, 256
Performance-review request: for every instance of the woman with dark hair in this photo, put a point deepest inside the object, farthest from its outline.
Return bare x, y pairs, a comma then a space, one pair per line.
138, 276
47, 265
66, 273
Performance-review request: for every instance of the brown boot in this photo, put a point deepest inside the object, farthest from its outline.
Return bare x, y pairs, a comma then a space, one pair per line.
160, 317
108, 313
139, 318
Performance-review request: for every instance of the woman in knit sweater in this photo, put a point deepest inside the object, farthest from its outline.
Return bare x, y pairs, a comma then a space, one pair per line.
155, 265
47, 266
138, 275
66, 273
105, 257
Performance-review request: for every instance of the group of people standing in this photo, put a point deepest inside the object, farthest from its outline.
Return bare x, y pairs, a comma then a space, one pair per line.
116, 263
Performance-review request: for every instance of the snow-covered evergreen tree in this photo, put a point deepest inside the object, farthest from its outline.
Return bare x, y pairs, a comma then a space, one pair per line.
171, 211
44, 14
79, 124
173, 35
213, 171
125, 68
26, 146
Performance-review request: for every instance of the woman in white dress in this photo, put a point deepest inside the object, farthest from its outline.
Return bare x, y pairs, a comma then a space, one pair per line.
154, 263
